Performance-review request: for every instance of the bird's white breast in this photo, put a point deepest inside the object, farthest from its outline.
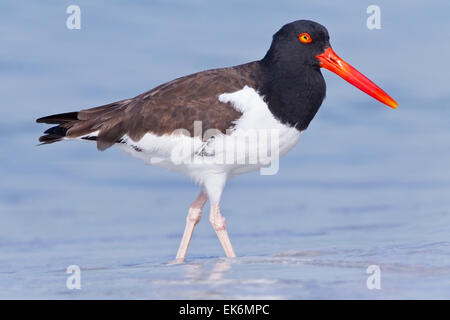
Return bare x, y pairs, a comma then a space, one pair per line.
257, 116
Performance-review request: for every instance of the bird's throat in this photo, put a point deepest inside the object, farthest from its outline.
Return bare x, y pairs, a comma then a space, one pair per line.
294, 95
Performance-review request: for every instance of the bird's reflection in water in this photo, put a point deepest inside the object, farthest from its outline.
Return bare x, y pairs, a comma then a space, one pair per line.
219, 270
201, 271
215, 279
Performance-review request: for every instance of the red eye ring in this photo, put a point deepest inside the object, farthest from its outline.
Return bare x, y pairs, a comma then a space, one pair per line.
304, 37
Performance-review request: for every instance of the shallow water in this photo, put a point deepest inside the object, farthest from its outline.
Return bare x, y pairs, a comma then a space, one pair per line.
366, 185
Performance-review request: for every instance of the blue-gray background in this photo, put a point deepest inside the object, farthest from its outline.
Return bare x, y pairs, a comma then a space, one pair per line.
365, 185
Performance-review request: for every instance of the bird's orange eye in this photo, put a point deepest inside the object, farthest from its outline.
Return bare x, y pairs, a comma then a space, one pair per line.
304, 37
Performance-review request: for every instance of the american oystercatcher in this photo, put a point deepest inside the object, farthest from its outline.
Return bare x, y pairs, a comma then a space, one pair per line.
196, 124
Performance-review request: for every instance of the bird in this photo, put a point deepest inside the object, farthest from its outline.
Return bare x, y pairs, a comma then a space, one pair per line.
204, 124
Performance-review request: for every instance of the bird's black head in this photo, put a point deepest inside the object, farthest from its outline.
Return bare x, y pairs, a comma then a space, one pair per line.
292, 83
297, 44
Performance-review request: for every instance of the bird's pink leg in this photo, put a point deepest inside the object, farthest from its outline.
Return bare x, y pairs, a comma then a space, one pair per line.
193, 217
219, 225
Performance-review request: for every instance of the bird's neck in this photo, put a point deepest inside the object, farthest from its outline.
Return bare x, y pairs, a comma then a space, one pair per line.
293, 93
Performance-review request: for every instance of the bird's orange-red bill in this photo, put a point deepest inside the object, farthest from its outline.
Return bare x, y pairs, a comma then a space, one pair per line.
331, 61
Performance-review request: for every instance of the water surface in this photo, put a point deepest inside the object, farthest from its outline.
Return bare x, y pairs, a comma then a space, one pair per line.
366, 185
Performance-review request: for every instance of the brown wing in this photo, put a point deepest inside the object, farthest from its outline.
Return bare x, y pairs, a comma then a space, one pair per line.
173, 105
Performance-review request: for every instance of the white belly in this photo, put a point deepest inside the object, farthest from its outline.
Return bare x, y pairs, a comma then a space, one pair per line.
256, 141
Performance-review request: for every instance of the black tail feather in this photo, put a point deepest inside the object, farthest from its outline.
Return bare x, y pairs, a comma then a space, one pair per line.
58, 132
80, 124
59, 118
